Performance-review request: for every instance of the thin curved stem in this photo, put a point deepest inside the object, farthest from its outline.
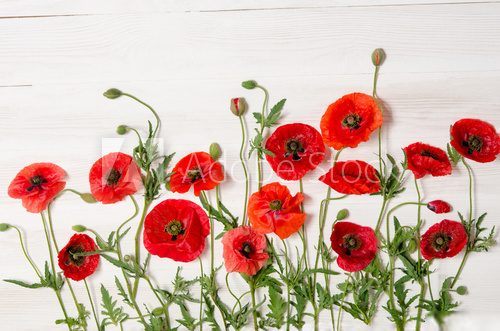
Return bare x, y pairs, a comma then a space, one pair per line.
467, 251
158, 120
245, 170
51, 227
25, 252
138, 232
254, 305
162, 303
92, 305
262, 127
52, 265
238, 303
201, 293
419, 261
287, 275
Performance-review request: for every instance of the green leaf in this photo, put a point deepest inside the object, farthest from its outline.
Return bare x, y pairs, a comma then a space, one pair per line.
24, 284
114, 315
118, 263
277, 308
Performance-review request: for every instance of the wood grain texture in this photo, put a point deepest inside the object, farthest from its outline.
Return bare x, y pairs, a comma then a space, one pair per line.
188, 60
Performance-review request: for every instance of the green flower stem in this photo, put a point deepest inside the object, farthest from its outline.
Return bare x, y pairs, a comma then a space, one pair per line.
421, 281
137, 255
251, 283
51, 255
391, 257
120, 257
339, 315
92, 305
302, 233
212, 235
287, 275
238, 302
380, 216
25, 252
158, 121
201, 293
52, 234
264, 107
245, 170
467, 251
160, 300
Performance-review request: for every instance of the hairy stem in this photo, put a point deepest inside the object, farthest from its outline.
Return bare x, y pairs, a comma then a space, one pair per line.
245, 170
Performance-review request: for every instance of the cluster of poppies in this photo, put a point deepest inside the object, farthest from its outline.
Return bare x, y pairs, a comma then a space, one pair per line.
177, 228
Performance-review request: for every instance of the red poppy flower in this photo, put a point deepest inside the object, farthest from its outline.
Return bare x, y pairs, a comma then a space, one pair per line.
356, 245
298, 148
475, 139
352, 177
75, 266
198, 170
273, 209
439, 206
425, 159
444, 239
244, 250
176, 229
37, 185
350, 120
113, 177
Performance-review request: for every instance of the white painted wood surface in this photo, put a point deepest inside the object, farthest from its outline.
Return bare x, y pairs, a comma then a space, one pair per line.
188, 58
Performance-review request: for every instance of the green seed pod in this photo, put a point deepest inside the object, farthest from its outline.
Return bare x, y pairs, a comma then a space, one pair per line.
113, 93
342, 214
249, 84
4, 227
122, 129
462, 290
79, 228
412, 246
157, 311
88, 198
215, 151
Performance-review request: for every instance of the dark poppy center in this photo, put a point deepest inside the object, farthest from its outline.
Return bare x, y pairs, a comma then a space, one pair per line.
174, 228
294, 147
351, 243
429, 154
246, 249
113, 177
474, 143
275, 205
194, 175
440, 241
36, 181
73, 256
352, 121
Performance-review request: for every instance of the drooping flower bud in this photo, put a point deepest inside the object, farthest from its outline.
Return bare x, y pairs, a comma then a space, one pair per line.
439, 206
461, 290
4, 227
113, 93
158, 311
249, 84
215, 151
378, 57
88, 198
122, 129
79, 228
238, 106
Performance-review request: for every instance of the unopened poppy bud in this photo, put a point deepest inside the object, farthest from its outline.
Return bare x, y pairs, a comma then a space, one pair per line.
122, 129
88, 198
215, 151
4, 227
342, 214
238, 106
461, 290
79, 228
249, 84
126, 258
158, 311
378, 57
439, 206
411, 246
113, 93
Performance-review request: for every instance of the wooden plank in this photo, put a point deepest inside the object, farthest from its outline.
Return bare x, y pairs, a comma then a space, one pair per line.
27, 8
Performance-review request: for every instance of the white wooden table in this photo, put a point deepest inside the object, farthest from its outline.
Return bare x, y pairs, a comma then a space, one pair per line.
187, 58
